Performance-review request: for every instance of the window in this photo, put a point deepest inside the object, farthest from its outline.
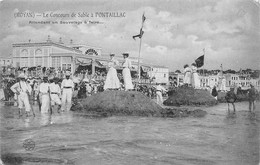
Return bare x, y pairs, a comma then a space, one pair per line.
164, 75
24, 53
45, 61
56, 62
66, 66
91, 52
45, 51
38, 61
38, 52
23, 62
63, 66
66, 60
69, 66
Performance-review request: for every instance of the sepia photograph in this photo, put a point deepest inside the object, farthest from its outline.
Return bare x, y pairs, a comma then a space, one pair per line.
130, 82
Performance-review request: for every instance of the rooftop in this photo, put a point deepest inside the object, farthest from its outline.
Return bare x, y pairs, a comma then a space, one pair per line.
47, 43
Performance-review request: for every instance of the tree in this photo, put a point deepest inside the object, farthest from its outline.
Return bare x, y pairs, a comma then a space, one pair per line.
230, 71
255, 74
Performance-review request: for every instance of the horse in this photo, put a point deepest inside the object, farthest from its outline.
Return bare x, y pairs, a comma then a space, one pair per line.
231, 98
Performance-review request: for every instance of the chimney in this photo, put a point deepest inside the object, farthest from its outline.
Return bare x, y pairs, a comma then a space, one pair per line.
49, 38
71, 41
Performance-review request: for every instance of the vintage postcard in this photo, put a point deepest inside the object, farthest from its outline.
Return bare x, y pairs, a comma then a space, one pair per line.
130, 82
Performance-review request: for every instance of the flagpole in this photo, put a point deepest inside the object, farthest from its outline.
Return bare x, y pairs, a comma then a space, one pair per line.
140, 45
204, 60
221, 69
139, 69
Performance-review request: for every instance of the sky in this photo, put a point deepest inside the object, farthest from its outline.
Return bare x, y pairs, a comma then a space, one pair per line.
175, 31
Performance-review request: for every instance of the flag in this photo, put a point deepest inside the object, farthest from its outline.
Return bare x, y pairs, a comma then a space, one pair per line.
139, 35
200, 61
141, 30
143, 18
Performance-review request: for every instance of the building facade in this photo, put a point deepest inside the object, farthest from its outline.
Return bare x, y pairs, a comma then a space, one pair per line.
176, 78
4, 62
45, 54
209, 80
243, 81
160, 74
69, 57
215, 80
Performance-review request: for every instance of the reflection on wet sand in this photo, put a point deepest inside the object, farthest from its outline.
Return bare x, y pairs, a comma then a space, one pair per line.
73, 138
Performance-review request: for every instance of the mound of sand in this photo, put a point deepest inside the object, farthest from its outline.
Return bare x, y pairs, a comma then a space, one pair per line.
130, 103
110, 103
190, 96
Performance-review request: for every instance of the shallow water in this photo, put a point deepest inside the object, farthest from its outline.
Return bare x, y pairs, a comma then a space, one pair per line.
73, 138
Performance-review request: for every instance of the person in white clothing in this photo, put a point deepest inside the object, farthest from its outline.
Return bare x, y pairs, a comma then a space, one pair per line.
195, 77
88, 89
159, 91
187, 75
67, 87
44, 90
223, 84
22, 90
126, 73
112, 81
55, 92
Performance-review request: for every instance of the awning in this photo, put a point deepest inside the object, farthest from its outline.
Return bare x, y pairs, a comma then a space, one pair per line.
83, 62
104, 63
99, 64
145, 68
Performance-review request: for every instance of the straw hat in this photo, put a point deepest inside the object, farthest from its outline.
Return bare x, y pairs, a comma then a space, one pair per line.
22, 75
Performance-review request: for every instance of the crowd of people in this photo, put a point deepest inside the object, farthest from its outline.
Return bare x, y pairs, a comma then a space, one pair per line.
53, 92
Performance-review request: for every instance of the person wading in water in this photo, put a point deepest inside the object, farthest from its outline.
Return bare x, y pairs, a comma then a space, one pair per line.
252, 94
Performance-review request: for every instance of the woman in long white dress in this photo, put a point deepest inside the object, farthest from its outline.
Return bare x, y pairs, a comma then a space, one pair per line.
187, 75
223, 84
126, 73
112, 81
195, 77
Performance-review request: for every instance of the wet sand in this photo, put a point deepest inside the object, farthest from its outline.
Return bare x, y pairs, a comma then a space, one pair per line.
74, 138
